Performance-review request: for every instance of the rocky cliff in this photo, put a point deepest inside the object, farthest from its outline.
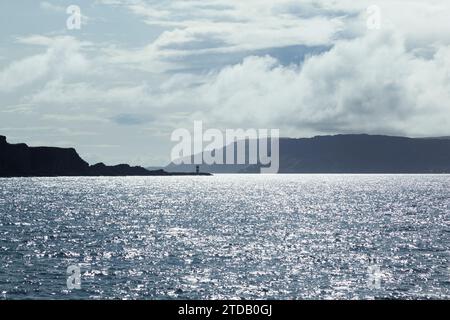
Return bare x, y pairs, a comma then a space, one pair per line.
20, 160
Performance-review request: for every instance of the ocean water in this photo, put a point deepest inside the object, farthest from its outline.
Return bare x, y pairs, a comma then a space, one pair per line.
227, 236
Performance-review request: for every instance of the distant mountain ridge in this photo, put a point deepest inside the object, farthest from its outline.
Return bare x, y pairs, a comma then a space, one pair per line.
359, 153
20, 160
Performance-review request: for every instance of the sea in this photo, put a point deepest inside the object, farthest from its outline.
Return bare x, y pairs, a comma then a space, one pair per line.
226, 237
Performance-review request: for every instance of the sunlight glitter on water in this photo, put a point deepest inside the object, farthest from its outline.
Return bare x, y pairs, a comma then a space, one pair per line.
227, 236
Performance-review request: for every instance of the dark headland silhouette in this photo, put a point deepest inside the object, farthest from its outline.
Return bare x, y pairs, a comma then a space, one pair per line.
357, 153
20, 160
323, 154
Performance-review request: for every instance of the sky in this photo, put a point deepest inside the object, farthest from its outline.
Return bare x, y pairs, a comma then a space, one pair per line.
137, 70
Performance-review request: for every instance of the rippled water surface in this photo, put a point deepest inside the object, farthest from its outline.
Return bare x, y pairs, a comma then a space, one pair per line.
227, 236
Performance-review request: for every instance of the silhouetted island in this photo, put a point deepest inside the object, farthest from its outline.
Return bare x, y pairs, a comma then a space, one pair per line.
351, 153
20, 160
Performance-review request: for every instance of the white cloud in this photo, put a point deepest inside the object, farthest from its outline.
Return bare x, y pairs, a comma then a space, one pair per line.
19, 73
51, 7
217, 26
371, 84
210, 27
61, 93
62, 58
